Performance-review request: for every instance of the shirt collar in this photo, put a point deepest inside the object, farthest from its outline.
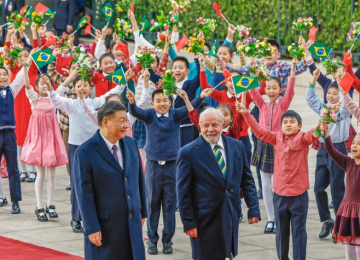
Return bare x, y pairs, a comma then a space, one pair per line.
105, 74
267, 100
219, 143
225, 130
66, 55
165, 115
118, 61
230, 96
290, 137
109, 144
181, 83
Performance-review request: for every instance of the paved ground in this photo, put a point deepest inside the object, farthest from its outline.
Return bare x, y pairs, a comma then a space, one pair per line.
253, 243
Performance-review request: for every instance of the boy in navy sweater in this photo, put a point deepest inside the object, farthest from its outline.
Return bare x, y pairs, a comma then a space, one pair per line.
7, 134
180, 68
162, 145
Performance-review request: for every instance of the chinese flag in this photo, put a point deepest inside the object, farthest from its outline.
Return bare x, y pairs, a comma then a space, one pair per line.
40, 8
312, 33
124, 49
50, 40
181, 43
88, 16
87, 30
132, 7
217, 9
346, 83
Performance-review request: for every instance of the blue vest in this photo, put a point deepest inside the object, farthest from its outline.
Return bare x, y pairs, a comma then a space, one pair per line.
7, 117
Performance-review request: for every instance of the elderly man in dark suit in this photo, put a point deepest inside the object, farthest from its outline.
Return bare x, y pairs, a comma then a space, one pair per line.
210, 173
110, 189
63, 20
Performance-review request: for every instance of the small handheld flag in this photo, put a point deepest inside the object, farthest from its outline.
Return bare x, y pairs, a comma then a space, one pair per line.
213, 50
118, 77
346, 83
181, 43
40, 8
312, 33
83, 21
124, 49
26, 11
144, 23
108, 11
43, 57
217, 10
244, 83
319, 50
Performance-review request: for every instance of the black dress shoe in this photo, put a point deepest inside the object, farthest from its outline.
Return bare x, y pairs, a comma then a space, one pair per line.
167, 248
152, 249
3, 202
331, 205
68, 187
326, 229
41, 217
76, 226
241, 217
260, 195
269, 228
52, 214
33, 178
15, 208
23, 176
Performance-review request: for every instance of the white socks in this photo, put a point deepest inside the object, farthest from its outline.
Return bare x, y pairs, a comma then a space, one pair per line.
39, 186
267, 181
352, 252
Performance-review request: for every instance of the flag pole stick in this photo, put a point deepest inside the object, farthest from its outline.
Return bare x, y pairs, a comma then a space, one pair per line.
354, 41
93, 35
325, 59
27, 12
107, 24
5, 24
36, 64
225, 19
48, 19
93, 28
74, 32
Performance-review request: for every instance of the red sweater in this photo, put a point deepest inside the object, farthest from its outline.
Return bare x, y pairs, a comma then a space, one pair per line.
102, 84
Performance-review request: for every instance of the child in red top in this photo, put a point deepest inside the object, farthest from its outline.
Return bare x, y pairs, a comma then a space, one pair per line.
291, 179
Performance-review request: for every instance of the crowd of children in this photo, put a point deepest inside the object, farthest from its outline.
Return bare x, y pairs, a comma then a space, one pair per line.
35, 138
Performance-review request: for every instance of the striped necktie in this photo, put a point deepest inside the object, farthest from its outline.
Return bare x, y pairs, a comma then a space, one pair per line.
220, 159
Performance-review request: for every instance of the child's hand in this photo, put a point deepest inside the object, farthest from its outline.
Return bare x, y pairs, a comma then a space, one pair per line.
130, 96
71, 40
97, 34
104, 33
202, 62
337, 106
201, 34
221, 63
302, 41
129, 74
182, 94
56, 52
231, 31
130, 14
33, 27
324, 128
11, 29
80, 91
238, 44
207, 92
22, 62
42, 30
240, 108
316, 75
146, 75
294, 62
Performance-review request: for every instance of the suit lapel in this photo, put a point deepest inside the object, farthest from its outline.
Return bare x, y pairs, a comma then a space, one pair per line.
209, 157
229, 162
105, 152
124, 144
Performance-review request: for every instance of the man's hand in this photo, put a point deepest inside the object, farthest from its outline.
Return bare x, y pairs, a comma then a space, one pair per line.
69, 28
192, 232
130, 96
95, 238
253, 220
207, 92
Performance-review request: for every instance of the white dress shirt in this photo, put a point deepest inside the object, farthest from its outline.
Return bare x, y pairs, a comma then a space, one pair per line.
110, 146
222, 148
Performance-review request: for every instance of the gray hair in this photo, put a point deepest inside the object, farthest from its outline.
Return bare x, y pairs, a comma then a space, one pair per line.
108, 110
211, 110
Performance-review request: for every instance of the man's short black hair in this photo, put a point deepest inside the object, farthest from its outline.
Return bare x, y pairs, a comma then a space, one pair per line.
108, 110
183, 59
274, 43
291, 114
156, 91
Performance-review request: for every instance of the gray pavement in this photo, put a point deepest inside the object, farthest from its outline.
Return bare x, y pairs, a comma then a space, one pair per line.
253, 243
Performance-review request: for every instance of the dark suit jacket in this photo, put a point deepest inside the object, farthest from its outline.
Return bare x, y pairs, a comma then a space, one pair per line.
17, 5
190, 87
111, 199
210, 203
65, 11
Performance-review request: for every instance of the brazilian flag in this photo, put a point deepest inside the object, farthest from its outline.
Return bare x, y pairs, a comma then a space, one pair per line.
244, 83
144, 23
213, 50
108, 11
319, 50
43, 57
83, 21
118, 77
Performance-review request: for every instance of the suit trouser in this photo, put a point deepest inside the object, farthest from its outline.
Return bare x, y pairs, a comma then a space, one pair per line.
8, 148
160, 187
328, 173
291, 210
75, 210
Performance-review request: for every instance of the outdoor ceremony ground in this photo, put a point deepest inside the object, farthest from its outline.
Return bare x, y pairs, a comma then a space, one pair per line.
58, 235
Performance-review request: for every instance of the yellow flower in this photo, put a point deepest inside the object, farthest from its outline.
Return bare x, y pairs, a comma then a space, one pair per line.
184, 10
262, 44
271, 50
247, 49
6, 62
289, 48
167, 71
310, 24
194, 34
120, 9
354, 32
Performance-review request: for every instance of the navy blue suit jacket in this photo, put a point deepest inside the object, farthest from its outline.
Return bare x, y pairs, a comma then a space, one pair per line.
210, 203
111, 199
16, 6
65, 11
190, 87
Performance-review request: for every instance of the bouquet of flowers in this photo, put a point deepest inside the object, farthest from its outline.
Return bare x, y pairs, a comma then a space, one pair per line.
81, 52
302, 24
264, 49
167, 83
11, 55
122, 5
354, 32
161, 40
122, 28
195, 45
146, 57
179, 6
17, 21
243, 32
259, 72
331, 66
207, 26
249, 47
327, 116
297, 52
2, 59
87, 70
256, 48
38, 19
61, 42
166, 22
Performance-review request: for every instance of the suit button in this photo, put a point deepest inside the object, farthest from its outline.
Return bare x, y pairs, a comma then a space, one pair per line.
128, 197
130, 215
125, 179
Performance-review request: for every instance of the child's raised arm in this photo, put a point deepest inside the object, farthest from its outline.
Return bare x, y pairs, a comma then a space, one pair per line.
63, 103
311, 97
353, 108
100, 46
26, 78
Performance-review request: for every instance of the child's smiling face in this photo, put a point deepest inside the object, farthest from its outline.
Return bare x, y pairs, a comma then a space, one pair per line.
180, 70
4, 78
161, 103
355, 147
225, 54
108, 65
273, 90
290, 126
332, 95
227, 116
86, 88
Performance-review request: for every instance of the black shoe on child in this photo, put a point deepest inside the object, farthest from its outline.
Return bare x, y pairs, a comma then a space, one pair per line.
41, 217
152, 248
76, 226
32, 177
3, 202
269, 228
52, 214
167, 248
23, 176
15, 208
68, 187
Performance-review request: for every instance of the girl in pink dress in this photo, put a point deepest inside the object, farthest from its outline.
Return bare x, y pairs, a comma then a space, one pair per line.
43, 146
